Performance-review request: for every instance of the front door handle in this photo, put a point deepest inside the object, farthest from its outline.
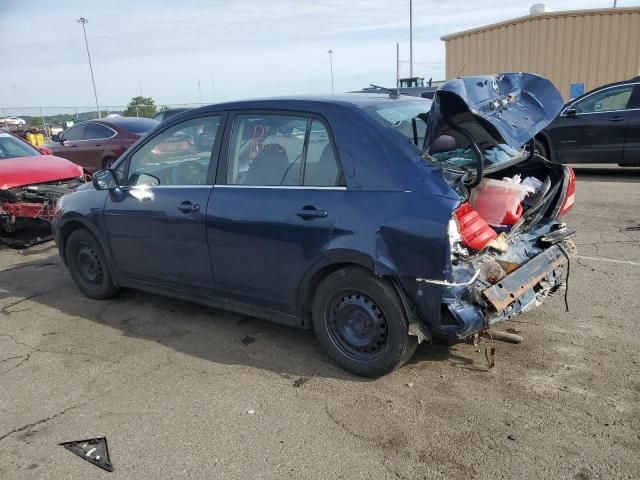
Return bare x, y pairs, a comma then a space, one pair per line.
617, 119
309, 212
188, 207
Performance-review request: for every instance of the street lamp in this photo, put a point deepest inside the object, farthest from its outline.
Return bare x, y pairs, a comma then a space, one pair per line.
330, 52
411, 38
84, 21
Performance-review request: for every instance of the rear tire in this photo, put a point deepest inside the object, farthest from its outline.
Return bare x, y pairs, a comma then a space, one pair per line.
541, 148
361, 323
88, 265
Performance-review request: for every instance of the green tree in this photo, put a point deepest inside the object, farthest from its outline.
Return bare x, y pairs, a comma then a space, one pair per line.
141, 107
36, 121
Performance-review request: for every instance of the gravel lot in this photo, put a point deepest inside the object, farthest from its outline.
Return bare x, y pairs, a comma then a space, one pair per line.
171, 384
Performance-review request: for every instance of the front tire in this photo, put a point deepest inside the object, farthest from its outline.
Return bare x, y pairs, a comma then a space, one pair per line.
361, 323
108, 163
88, 266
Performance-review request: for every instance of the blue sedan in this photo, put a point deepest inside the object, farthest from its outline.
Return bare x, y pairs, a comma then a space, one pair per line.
346, 214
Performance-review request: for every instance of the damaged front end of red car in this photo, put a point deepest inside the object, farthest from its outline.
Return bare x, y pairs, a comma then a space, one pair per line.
26, 211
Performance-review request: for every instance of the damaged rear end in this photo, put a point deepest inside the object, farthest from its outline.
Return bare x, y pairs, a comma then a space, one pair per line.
509, 248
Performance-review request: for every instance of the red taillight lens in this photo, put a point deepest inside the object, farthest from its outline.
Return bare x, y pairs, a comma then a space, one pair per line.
570, 197
45, 151
475, 232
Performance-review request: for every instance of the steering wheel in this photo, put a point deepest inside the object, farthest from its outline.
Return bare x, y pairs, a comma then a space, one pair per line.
189, 173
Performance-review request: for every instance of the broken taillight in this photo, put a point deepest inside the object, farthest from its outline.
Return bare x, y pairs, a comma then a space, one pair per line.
570, 197
474, 230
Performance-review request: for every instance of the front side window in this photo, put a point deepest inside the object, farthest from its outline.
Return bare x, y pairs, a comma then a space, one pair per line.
180, 155
274, 150
95, 131
608, 100
74, 133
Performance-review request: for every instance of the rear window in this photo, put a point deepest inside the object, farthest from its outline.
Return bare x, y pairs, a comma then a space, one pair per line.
11, 147
401, 116
136, 125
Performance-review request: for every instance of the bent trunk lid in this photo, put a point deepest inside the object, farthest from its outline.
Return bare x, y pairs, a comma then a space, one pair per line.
501, 112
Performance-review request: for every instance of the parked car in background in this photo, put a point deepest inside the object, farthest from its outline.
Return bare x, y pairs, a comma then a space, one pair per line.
31, 182
96, 144
346, 214
166, 114
601, 126
14, 121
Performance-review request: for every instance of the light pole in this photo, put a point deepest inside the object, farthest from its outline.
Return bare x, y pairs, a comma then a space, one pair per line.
330, 52
84, 21
411, 38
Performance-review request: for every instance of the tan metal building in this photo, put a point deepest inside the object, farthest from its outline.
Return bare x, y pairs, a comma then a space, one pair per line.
579, 49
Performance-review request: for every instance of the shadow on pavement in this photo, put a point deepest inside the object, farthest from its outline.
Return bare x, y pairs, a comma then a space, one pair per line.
199, 331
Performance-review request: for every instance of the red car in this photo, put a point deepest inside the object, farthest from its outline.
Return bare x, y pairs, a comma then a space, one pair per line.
96, 144
31, 182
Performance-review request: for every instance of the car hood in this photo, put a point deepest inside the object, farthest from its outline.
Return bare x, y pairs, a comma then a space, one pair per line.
512, 107
21, 171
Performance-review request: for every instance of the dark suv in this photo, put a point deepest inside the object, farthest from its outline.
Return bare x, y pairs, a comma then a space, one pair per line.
348, 214
96, 144
601, 126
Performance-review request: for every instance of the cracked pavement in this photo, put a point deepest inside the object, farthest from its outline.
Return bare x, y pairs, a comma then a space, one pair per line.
170, 383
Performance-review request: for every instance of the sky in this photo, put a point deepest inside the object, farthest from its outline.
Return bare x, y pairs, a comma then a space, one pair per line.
215, 50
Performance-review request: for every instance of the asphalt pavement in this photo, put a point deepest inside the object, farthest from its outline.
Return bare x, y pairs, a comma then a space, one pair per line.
184, 391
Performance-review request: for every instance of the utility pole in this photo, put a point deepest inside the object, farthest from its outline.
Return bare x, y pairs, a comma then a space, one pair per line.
140, 86
84, 21
615, 3
200, 92
397, 64
411, 38
330, 52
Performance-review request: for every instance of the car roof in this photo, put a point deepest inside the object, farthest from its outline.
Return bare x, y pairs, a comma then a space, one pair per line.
353, 100
121, 120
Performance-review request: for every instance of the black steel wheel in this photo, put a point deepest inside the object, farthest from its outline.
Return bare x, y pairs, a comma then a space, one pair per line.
360, 321
357, 325
88, 266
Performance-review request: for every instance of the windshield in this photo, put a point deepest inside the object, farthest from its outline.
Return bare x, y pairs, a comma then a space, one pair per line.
452, 149
401, 117
12, 147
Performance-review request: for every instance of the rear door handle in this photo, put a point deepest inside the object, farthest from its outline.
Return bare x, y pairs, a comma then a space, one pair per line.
617, 119
309, 212
188, 207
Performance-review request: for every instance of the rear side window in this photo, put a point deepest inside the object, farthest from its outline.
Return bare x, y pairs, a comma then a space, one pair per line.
95, 131
274, 150
74, 133
321, 168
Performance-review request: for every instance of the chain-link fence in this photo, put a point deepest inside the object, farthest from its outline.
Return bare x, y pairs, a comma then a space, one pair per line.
63, 117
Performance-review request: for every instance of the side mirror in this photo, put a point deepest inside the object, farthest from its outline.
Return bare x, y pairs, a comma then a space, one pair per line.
56, 137
105, 179
570, 112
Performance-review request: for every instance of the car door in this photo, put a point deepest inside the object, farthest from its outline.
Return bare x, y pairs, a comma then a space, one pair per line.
632, 138
156, 222
91, 152
593, 129
274, 206
69, 146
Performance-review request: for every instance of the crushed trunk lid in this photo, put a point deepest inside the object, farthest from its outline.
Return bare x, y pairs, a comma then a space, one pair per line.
499, 113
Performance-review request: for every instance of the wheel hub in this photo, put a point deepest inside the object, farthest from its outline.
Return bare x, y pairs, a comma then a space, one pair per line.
358, 326
88, 265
